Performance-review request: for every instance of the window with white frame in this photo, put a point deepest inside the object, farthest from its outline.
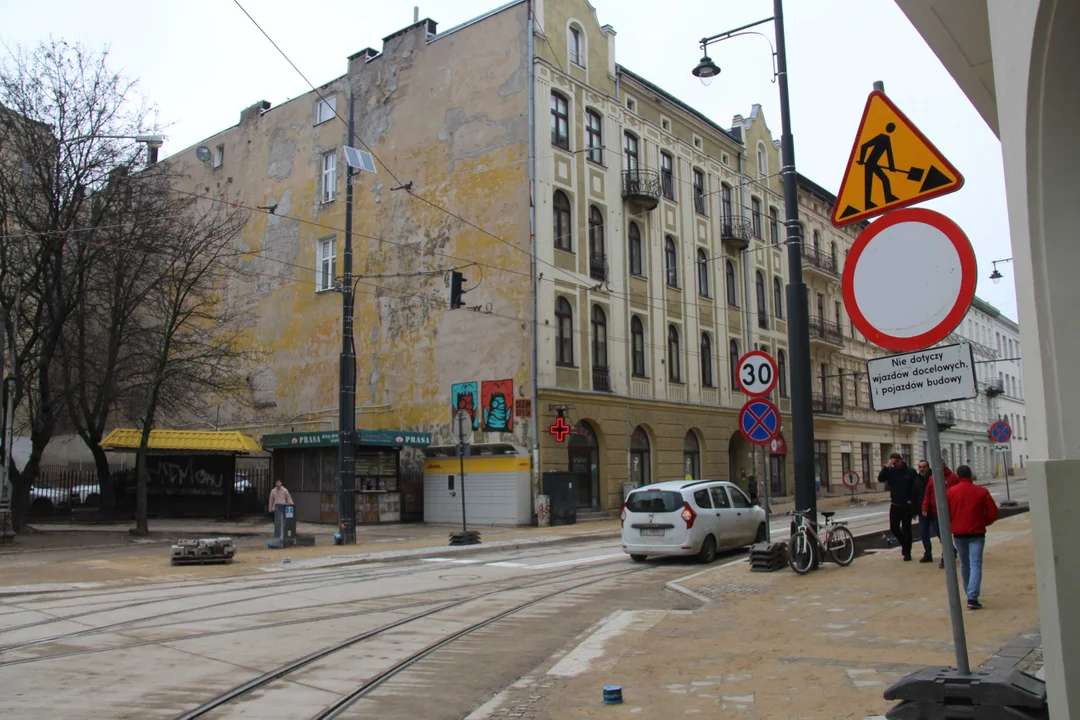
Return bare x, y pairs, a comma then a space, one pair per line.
762, 161
219, 156
325, 109
329, 176
577, 52
327, 256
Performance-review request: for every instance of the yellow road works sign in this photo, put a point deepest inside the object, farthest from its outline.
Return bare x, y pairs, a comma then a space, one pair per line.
892, 165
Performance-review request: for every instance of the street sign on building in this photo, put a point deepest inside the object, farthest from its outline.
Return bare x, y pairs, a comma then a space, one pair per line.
909, 279
756, 373
934, 375
892, 165
759, 421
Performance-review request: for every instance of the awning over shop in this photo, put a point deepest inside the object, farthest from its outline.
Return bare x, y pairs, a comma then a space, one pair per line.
194, 441
329, 438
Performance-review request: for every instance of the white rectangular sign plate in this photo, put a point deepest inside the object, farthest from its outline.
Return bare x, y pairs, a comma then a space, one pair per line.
934, 375
1002, 447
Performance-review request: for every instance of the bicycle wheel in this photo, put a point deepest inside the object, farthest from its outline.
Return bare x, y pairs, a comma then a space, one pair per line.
800, 553
842, 546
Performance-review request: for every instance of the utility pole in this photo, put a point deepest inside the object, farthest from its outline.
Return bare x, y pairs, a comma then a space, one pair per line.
347, 372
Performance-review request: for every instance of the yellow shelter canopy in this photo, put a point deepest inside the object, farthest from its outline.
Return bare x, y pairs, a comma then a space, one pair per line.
182, 440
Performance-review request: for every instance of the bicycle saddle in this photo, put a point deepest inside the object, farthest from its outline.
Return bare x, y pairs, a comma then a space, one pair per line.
828, 513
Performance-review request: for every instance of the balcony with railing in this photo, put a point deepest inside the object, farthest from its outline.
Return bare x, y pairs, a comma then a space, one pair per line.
641, 187
821, 263
823, 331
598, 266
601, 378
827, 404
911, 416
735, 232
946, 419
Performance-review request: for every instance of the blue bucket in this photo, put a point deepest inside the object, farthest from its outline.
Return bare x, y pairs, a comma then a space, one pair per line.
613, 694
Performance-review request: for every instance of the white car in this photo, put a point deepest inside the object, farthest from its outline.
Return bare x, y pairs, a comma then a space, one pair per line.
689, 517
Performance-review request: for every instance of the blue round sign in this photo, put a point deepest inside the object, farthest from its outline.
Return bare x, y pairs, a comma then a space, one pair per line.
1000, 431
759, 421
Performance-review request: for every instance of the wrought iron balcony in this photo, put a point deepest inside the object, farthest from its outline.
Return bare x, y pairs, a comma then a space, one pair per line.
824, 263
735, 232
825, 331
911, 416
601, 378
641, 187
827, 404
995, 387
946, 419
598, 266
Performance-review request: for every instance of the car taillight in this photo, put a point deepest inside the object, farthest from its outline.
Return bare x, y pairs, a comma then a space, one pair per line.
688, 515
622, 516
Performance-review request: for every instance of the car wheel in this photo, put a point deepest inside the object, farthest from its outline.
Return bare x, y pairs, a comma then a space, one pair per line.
761, 534
708, 550
638, 558
42, 506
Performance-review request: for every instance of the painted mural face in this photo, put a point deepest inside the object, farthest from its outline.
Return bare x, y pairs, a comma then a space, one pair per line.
497, 416
495, 397
465, 396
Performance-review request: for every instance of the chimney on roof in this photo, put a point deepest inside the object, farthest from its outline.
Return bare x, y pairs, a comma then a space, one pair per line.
416, 14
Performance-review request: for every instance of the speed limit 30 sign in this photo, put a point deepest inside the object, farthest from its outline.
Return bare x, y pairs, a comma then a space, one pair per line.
757, 373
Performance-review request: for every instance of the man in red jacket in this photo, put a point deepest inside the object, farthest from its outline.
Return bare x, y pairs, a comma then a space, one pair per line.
971, 509
929, 504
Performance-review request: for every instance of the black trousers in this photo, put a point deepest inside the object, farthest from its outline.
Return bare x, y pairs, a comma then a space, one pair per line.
900, 524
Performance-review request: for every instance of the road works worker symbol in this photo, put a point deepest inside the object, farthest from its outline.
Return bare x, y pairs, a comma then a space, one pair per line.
892, 165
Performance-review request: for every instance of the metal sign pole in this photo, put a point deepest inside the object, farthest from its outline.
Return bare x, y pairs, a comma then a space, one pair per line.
941, 496
461, 456
765, 492
1004, 464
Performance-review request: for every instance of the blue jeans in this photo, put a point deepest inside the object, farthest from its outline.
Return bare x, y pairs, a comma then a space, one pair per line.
970, 550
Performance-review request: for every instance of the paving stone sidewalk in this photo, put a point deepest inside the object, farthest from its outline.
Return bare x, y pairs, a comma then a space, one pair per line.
776, 645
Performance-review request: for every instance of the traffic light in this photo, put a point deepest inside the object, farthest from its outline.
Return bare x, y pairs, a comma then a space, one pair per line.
456, 281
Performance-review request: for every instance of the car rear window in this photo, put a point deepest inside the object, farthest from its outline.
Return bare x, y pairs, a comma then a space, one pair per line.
654, 501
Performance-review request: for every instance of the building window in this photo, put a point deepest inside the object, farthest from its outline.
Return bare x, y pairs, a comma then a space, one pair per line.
821, 463
755, 216
691, 453
594, 137
564, 341
762, 162
837, 309
325, 109
699, 192
560, 122
855, 389
630, 104
640, 461
597, 255
599, 328
835, 258
667, 175
781, 371
324, 276
725, 208
630, 152
563, 233
219, 156
774, 226
762, 306
777, 299
706, 361
634, 236
702, 273
817, 245
673, 354
671, 259
637, 343
729, 280
840, 377
329, 176
576, 55
733, 364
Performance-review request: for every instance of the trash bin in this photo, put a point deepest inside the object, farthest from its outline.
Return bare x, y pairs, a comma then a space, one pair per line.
284, 522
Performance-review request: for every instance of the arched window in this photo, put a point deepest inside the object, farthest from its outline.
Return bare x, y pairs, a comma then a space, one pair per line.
674, 373
706, 361
762, 306
563, 233
762, 161
594, 136
671, 260
691, 453
640, 461
702, 273
781, 370
840, 376
597, 260
774, 226
599, 343
560, 121
777, 299
733, 361
729, 279
630, 155
725, 208
637, 347
699, 191
817, 245
564, 340
577, 47
636, 267
834, 261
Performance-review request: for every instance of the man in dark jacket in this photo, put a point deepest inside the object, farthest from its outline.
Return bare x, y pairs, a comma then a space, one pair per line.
925, 526
900, 478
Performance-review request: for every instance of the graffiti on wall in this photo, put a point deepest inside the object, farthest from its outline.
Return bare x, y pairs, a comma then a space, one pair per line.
466, 396
496, 398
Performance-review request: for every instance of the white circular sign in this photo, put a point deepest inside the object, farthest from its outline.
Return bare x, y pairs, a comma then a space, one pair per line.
851, 479
756, 373
909, 279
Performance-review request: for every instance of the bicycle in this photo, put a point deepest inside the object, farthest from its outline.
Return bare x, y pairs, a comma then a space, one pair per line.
806, 549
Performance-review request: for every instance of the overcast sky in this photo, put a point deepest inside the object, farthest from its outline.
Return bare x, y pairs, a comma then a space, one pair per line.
202, 61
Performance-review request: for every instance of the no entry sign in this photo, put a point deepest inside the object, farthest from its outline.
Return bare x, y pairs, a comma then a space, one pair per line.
909, 279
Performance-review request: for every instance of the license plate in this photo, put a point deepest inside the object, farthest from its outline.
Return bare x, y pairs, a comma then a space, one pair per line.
652, 531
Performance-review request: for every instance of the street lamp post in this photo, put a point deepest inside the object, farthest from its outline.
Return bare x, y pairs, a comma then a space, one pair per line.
802, 416
996, 275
